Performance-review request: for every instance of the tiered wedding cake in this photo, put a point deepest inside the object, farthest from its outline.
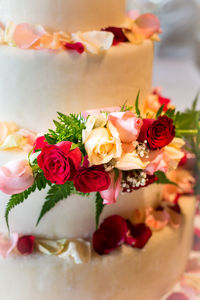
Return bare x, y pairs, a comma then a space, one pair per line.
41, 74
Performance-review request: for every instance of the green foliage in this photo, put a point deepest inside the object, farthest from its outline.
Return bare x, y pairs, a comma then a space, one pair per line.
162, 178
126, 107
137, 109
67, 128
56, 193
40, 183
99, 208
159, 112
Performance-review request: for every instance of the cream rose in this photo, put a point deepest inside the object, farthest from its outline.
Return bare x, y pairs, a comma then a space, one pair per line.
130, 161
103, 144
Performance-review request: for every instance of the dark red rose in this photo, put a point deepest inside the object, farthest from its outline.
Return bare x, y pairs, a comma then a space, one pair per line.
140, 233
143, 131
158, 133
110, 235
94, 179
78, 47
119, 36
25, 244
40, 143
59, 163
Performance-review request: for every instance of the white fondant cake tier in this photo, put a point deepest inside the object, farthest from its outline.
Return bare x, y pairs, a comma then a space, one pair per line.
37, 84
126, 273
70, 15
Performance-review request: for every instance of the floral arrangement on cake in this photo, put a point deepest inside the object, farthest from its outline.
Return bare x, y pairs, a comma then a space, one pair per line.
105, 151
136, 29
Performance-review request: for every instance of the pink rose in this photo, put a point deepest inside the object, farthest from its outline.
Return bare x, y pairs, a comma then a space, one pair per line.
157, 162
128, 126
15, 177
111, 194
59, 163
7, 245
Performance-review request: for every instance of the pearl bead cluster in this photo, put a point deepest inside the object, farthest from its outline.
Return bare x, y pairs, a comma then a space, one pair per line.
134, 180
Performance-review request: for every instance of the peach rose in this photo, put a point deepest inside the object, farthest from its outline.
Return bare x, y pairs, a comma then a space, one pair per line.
6, 129
15, 177
103, 144
130, 161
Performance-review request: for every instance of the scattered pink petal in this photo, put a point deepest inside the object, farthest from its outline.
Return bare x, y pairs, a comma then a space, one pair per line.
110, 195
76, 47
147, 25
25, 35
177, 296
7, 245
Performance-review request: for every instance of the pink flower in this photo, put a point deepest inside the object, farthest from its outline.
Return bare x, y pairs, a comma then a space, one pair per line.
139, 233
7, 245
127, 124
59, 163
147, 25
15, 177
40, 143
110, 195
78, 47
25, 244
157, 162
156, 219
110, 235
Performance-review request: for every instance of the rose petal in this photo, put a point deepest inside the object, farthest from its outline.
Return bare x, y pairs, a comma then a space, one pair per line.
25, 244
78, 47
111, 194
25, 35
156, 220
140, 232
7, 245
147, 24
15, 177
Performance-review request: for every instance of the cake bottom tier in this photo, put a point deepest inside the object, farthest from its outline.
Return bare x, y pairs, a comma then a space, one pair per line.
126, 273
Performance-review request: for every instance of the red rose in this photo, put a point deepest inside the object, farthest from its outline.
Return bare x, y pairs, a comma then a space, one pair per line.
25, 244
158, 133
110, 235
143, 131
94, 179
59, 163
138, 235
40, 143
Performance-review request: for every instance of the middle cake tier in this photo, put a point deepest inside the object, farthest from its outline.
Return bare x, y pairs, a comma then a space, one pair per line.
35, 85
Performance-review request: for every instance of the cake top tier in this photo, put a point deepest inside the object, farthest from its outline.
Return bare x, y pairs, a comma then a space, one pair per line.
69, 15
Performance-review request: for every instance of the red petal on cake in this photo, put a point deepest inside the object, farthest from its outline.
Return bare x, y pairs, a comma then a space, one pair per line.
110, 235
76, 47
25, 244
140, 232
119, 36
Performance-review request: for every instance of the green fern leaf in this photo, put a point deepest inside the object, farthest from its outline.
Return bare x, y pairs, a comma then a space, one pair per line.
99, 208
15, 200
55, 194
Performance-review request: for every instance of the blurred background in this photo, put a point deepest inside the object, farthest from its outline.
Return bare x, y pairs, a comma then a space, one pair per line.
177, 59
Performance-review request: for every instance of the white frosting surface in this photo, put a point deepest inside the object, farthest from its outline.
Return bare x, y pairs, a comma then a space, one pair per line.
37, 84
70, 15
124, 274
